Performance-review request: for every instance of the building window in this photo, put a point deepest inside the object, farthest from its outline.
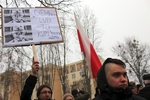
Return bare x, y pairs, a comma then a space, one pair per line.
73, 68
73, 75
82, 74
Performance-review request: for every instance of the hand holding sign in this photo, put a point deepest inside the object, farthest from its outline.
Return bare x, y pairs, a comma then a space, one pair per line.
35, 67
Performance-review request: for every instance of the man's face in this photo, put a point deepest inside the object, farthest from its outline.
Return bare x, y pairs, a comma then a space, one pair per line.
45, 94
116, 75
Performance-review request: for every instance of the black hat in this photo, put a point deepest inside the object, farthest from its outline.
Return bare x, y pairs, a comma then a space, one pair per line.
40, 88
146, 77
74, 92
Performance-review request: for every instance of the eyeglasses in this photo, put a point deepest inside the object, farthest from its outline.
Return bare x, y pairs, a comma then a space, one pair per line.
45, 92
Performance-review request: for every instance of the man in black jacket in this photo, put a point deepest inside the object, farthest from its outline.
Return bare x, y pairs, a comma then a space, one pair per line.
44, 92
145, 92
112, 82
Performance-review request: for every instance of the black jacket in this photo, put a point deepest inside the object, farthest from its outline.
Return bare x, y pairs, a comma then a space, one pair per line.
28, 88
82, 96
133, 97
105, 92
145, 92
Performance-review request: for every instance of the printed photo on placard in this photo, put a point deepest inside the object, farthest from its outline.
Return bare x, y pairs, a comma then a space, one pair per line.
18, 34
16, 15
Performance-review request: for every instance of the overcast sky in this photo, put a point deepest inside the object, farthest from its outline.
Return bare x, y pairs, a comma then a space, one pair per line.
119, 19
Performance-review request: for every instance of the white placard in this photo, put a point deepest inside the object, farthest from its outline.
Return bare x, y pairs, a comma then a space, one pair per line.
26, 26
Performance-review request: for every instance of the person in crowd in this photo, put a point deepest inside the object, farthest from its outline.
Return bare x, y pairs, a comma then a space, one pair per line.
44, 92
1, 97
133, 87
145, 92
80, 95
139, 87
68, 96
112, 82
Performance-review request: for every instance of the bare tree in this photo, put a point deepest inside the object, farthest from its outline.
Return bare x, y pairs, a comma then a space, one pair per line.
47, 54
66, 51
90, 25
62, 5
136, 55
12, 62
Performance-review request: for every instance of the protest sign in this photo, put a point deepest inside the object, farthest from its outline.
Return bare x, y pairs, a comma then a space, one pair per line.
26, 26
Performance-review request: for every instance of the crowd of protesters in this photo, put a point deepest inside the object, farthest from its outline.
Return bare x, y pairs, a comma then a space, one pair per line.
142, 90
112, 84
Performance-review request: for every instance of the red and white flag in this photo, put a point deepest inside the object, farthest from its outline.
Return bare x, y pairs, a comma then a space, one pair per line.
88, 50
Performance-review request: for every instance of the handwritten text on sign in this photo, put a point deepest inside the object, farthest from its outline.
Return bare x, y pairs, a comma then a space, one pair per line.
46, 25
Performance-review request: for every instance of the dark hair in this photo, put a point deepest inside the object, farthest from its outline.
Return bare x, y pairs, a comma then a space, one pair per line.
115, 61
41, 87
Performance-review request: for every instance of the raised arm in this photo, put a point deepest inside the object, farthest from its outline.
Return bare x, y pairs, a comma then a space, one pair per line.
30, 82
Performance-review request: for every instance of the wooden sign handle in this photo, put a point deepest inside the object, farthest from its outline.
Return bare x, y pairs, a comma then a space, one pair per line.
34, 52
